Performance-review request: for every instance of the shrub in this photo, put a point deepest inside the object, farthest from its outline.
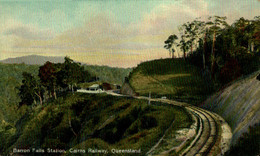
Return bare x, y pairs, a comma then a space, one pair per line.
148, 122
65, 134
79, 106
148, 109
96, 119
54, 144
135, 112
248, 144
76, 125
114, 132
52, 121
258, 77
249, 62
134, 128
230, 71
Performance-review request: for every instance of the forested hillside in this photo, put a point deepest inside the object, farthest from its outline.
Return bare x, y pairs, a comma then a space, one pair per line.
226, 51
83, 121
10, 82
109, 74
11, 76
214, 54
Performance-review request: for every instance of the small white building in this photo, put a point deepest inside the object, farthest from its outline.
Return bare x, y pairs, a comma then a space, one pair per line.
94, 87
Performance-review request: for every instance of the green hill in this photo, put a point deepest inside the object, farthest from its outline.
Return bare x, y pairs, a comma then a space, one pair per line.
237, 102
174, 78
80, 120
83, 121
109, 74
11, 80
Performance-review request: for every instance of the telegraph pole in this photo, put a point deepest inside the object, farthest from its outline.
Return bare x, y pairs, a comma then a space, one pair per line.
149, 100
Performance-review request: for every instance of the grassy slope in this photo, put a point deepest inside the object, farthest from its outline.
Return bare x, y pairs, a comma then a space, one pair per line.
238, 103
173, 78
100, 121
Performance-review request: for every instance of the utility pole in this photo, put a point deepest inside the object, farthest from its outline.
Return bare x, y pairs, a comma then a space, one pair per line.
149, 100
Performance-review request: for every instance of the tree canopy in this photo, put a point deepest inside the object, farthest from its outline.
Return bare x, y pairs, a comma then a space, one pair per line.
169, 43
219, 48
31, 90
51, 78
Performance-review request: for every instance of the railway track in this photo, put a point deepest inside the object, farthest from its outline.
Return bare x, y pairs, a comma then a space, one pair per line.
208, 136
208, 133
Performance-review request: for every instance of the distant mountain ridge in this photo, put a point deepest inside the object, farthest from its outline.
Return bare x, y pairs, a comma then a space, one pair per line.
33, 60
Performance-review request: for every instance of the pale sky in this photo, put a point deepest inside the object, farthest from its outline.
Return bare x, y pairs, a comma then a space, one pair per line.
119, 33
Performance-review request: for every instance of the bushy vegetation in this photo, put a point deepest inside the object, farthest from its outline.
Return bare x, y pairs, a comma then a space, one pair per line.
227, 51
10, 81
109, 74
215, 54
56, 78
224, 53
12, 117
51, 79
248, 144
91, 121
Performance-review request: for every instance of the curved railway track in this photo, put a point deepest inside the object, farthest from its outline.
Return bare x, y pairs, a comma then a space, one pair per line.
208, 133
206, 138
203, 144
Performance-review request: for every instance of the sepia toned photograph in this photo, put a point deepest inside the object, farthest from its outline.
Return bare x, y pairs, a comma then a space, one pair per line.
130, 77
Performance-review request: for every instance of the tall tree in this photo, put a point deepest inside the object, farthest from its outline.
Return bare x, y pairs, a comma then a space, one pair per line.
73, 72
202, 33
183, 46
48, 77
31, 90
171, 41
246, 32
216, 24
190, 33
256, 35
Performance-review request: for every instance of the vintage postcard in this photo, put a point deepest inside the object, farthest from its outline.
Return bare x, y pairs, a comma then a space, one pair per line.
130, 77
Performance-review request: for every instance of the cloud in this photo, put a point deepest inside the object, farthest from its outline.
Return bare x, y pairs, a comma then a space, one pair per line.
133, 46
103, 40
166, 17
15, 34
234, 9
31, 33
100, 38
